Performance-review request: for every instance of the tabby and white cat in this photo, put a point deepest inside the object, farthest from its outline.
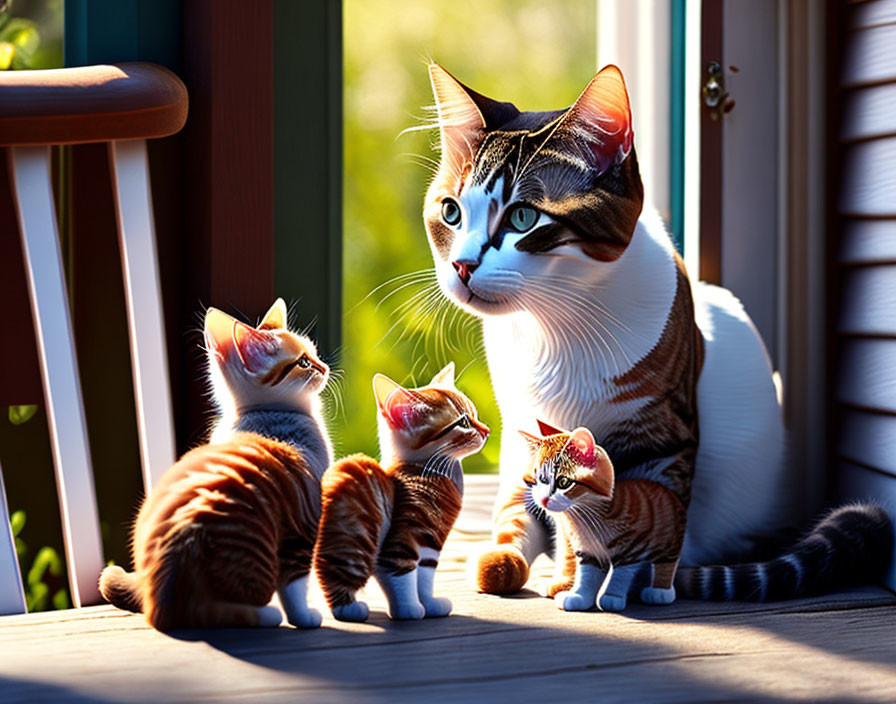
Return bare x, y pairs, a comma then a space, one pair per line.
391, 520
628, 529
232, 522
535, 225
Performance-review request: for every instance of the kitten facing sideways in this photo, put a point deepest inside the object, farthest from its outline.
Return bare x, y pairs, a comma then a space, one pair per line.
391, 520
234, 521
609, 533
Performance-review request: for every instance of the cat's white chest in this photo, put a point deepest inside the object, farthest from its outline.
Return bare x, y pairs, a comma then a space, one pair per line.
562, 360
556, 388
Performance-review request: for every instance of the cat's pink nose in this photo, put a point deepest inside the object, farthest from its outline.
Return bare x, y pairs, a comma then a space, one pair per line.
544, 501
464, 270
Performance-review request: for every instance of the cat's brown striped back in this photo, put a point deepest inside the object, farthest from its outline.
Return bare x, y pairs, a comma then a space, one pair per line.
226, 526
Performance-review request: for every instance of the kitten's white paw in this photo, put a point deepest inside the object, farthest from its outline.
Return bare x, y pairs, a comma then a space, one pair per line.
356, 611
572, 601
309, 618
269, 617
611, 602
412, 611
652, 595
437, 607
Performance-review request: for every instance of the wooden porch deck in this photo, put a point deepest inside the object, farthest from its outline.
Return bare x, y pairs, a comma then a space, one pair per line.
839, 648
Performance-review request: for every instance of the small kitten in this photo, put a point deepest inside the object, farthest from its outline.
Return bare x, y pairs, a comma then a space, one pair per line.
609, 532
232, 522
391, 520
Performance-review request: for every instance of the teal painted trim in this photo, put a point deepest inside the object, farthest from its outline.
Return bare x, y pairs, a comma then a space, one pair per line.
676, 123
308, 165
112, 31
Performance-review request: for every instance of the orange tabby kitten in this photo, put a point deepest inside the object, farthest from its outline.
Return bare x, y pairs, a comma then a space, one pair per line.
609, 532
234, 521
391, 520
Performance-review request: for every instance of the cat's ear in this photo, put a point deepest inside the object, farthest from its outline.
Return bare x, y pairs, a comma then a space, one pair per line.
254, 347
444, 377
383, 386
397, 404
584, 451
275, 318
582, 447
532, 441
218, 332
461, 123
601, 120
547, 429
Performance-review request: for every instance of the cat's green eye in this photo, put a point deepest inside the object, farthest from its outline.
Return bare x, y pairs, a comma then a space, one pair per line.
523, 218
451, 212
463, 422
563, 483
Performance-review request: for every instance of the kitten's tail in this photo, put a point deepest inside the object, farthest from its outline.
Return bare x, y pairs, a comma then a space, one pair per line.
851, 545
121, 588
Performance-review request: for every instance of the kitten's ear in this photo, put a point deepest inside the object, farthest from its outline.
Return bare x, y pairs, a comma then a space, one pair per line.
255, 347
547, 429
444, 377
601, 119
275, 318
586, 452
531, 440
218, 332
397, 404
582, 447
383, 386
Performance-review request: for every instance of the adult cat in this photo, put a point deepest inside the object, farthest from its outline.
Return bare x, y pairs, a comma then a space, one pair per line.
535, 224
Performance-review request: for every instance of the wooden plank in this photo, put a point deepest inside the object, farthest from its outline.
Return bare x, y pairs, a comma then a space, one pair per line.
868, 185
867, 376
492, 649
143, 295
868, 301
869, 57
868, 242
868, 113
30, 176
872, 14
868, 438
855, 483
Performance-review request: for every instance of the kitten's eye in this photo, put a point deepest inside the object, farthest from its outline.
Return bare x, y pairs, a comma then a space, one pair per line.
463, 422
563, 483
523, 218
451, 212
304, 362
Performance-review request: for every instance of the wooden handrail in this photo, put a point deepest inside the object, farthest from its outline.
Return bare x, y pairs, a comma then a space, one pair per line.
90, 104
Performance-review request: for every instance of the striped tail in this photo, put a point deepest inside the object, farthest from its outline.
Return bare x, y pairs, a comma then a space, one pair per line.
851, 545
121, 589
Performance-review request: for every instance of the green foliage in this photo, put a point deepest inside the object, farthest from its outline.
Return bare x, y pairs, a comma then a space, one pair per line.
535, 54
33, 38
42, 579
21, 414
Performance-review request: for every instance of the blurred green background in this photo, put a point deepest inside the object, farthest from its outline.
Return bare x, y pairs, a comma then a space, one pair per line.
30, 34
534, 53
